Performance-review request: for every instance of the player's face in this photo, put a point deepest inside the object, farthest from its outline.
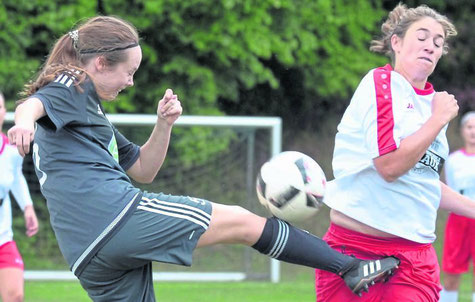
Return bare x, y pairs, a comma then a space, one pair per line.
468, 132
419, 51
118, 77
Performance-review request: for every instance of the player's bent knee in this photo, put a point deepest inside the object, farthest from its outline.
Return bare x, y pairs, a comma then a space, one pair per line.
241, 225
14, 296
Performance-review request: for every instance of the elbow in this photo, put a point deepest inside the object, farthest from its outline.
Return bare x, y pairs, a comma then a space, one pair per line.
145, 180
389, 175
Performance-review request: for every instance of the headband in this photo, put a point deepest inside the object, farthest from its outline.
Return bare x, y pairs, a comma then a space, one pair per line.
109, 49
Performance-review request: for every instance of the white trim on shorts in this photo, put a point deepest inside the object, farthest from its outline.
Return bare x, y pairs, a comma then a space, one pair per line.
176, 210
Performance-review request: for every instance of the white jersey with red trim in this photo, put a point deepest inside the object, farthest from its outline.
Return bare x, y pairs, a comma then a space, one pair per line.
11, 179
385, 109
460, 172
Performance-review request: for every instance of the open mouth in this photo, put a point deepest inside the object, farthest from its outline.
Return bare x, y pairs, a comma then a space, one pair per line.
425, 59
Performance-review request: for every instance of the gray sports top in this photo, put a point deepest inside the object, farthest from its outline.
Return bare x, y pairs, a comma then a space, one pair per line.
80, 160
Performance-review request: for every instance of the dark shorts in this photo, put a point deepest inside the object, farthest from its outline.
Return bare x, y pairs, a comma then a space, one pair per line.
416, 279
163, 228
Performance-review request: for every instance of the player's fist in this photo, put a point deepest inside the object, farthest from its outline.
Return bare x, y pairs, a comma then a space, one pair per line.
444, 106
21, 136
169, 107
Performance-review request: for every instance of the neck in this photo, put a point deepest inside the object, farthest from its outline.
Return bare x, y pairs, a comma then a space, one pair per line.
416, 81
470, 149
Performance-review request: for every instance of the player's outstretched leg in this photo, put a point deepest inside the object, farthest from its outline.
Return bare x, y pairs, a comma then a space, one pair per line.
282, 241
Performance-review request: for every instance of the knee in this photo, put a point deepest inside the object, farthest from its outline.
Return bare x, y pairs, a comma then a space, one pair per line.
248, 225
14, 296
451, 282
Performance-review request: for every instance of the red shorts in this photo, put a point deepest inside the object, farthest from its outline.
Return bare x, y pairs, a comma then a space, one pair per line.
416, 280
459, 244
10, 256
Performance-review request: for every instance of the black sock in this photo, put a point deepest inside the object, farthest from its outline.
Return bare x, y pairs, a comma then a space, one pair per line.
285, 242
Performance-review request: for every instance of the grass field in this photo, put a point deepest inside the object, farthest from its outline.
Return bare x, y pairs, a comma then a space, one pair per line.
295, 291
180, 292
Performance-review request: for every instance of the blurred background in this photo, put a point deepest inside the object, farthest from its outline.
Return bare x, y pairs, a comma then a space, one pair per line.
299, 60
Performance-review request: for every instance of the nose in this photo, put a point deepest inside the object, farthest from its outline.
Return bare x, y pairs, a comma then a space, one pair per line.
429, 46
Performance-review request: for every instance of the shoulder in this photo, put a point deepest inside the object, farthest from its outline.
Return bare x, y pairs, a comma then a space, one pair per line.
66, 84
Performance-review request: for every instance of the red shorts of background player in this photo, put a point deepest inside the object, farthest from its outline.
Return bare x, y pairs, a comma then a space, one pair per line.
459, 244
10, 256
416, 280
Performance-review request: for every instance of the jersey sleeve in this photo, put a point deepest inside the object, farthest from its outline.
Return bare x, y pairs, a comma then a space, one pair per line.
376, 111
128, 151
19, 187
63, 104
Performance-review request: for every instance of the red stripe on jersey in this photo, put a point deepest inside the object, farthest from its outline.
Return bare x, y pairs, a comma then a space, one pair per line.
4, 142
384, 102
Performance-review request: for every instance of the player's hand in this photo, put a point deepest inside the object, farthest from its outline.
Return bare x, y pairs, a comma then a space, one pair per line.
31, 222
444, 106
22, 136
169, 107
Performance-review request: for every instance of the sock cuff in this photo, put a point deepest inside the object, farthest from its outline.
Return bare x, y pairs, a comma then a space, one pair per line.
274, 237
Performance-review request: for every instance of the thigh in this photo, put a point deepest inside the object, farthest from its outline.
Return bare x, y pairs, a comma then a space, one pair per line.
232, 224
417, 279
457, 249
104, 284
11, 282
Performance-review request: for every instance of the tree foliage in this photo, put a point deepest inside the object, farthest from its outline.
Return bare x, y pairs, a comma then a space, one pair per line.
206, 50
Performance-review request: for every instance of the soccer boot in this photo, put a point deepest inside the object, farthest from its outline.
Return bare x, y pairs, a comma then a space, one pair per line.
368, 272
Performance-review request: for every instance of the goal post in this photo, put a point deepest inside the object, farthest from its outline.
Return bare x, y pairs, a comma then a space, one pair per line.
254, 133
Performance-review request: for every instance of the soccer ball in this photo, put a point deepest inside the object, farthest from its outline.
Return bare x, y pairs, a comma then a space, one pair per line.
291, 185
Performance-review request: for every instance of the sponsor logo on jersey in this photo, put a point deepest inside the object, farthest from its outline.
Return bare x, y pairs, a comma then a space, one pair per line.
113, 150
432, 160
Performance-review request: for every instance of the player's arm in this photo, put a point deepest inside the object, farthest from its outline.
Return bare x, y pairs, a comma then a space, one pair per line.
455, 202
26, 114
411, 149
153, 152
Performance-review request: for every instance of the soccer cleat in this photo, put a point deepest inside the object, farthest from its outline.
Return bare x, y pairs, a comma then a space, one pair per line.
368, 272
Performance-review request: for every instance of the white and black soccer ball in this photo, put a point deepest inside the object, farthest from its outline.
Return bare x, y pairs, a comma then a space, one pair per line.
291, 185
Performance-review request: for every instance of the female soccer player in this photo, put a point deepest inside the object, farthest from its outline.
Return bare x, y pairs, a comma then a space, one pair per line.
108, 230
12, 179
459, 240
389, 150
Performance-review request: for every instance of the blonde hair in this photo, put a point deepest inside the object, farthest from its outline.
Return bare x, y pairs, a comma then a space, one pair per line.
466, 117
400, 19
105, 36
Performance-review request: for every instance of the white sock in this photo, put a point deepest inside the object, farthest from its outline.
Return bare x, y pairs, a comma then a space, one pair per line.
449, 296
473, 297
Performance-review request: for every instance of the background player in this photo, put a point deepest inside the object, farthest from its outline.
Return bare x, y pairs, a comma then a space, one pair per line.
12, 180
459, 240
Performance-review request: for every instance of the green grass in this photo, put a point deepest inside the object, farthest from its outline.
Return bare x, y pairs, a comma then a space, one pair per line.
300, 290
187, 291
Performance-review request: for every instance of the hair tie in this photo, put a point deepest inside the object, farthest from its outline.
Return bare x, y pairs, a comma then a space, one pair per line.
74, 35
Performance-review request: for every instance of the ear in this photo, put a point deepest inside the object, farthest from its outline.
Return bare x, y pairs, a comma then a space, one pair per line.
100, 63
396, 43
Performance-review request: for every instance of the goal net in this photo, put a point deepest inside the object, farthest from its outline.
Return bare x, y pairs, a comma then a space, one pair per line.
215, 158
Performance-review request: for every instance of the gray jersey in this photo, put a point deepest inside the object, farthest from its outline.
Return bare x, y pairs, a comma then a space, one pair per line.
80, 161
